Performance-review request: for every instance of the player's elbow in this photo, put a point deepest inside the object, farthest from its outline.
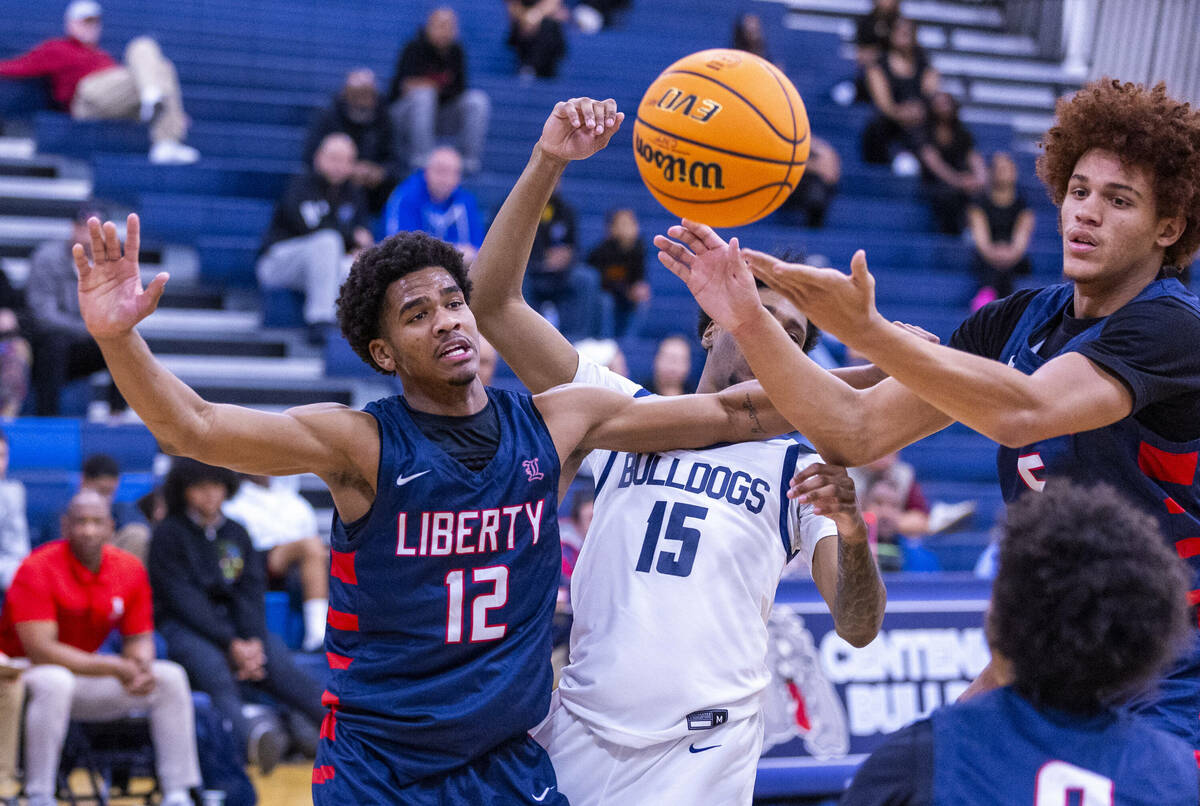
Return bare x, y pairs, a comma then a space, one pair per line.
858, 638
1015, 429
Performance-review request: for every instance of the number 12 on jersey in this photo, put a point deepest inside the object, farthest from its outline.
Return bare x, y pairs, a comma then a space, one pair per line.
480, 629
679, 563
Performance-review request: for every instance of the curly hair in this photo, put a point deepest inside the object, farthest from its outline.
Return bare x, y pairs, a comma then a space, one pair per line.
812, 333
361, 303
186, 473
1143, 127
1089, 602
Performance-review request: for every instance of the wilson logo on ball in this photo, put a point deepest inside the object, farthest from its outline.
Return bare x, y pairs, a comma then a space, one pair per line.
721, 137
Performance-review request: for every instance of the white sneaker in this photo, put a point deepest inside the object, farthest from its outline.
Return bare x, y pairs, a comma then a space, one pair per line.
945, 517
172, 152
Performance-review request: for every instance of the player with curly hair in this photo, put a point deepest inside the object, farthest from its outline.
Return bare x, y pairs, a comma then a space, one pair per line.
1096, 379
1087, 607
445, 548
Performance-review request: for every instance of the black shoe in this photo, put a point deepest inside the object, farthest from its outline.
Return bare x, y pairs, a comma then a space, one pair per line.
265, 744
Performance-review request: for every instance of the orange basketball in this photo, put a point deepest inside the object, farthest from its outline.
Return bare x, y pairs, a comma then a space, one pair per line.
721, 137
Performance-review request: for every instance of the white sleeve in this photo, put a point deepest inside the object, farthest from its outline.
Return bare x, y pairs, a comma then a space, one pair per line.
808, 529
590, 372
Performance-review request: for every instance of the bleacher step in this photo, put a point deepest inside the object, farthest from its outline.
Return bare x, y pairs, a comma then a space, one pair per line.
176, 320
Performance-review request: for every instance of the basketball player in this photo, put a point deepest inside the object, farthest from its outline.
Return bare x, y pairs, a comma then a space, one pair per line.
1087, 606
661, 700
445, 544
1095, 379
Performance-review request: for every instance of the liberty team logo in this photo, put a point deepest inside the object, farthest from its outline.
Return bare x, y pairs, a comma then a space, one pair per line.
531, 470
800, 701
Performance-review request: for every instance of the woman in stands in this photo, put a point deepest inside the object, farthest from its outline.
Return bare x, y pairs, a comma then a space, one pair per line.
898, 83
1096, 379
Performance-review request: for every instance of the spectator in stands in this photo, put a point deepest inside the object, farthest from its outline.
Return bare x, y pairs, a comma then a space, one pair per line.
572, 530
1089, 604
433, 200
62, 348
672, 368
535, 33
318, 225
91, 85
884, 511
12, 702
209, 584
283, 527
357, 112
66, 598
872, 34
555, 280
817, 186
14, 527
15, 352
952, 171
1001, 226
429, 98
621, 261
916, 517
898, 84
748, 35
100, 472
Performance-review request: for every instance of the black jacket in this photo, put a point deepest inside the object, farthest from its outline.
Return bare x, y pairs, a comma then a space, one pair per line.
420, 59
373, 138
310, 203
215, 587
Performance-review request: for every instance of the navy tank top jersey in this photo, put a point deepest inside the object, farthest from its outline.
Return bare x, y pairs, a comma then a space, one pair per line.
442, 595
1156, 474
998, 749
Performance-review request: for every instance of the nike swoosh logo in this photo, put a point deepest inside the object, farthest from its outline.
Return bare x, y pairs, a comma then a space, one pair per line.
402, 480
541, 797
693, 749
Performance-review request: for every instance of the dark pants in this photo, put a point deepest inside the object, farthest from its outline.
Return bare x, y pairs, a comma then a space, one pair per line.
208, 669
575, 295
59, 357
1001, 280
809, 201
949, 205
542, 50
882, 138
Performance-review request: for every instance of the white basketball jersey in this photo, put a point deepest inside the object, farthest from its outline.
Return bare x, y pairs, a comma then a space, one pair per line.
676, 579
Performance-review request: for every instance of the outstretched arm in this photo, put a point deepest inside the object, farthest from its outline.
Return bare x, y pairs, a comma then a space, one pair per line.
338, 444
539, 355
845, 571
846, 425
1067, 395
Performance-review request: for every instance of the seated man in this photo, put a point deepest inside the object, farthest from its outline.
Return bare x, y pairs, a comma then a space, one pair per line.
208, 593
1087, 608
65, 600
319, 222
434, 201
357, 112
91, 85
429, 96
283, 527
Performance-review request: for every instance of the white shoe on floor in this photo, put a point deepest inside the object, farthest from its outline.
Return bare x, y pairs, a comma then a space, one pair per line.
944, 517
173, 152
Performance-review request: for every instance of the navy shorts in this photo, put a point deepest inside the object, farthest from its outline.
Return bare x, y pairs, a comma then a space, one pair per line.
356, 772
1174, 704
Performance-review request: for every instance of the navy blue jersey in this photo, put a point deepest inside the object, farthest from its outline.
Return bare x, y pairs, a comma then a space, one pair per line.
998, 749
442, 596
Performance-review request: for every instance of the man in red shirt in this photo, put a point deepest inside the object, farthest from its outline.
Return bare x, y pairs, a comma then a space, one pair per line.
66, 597
88, 82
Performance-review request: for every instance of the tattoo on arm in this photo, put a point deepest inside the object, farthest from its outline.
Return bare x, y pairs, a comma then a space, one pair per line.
752, 412
860, 593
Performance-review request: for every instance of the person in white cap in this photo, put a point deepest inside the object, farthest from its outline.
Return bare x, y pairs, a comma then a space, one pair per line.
86, 81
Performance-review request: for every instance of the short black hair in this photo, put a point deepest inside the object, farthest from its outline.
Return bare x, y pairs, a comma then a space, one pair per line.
186, 473
99, 465
1089, 602
812, 333
360, 305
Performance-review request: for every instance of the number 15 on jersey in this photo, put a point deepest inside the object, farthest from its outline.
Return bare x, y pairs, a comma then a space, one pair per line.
676, 560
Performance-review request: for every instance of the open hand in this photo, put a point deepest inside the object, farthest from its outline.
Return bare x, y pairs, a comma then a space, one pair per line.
580, 127
111, 298
841, 304
713, 271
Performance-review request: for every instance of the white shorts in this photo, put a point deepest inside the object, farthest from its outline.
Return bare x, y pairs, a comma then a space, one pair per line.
714, 767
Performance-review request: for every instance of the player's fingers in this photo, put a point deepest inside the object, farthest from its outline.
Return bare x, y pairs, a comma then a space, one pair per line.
610, 112
674, 248
148, 302
858, 265
674, 266
598, 115
97, 235
584, 105
566, 109
133, 236
704, 233
112, 242
82, 265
